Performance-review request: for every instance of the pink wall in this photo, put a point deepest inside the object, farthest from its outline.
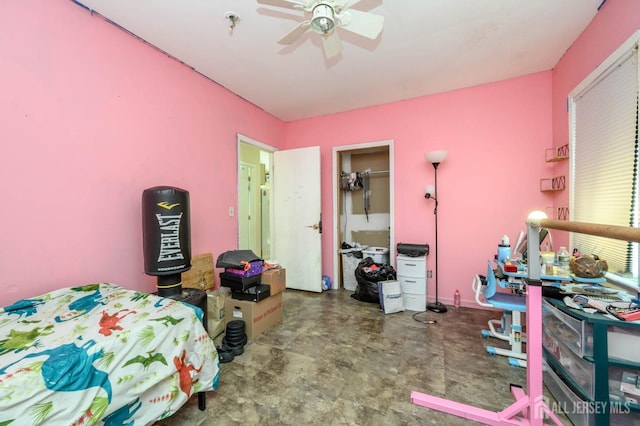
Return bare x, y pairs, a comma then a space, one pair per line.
89, 117
612, 26
495, 135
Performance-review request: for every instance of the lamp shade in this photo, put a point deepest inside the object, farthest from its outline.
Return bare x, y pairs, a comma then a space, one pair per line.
435, 156
429, 190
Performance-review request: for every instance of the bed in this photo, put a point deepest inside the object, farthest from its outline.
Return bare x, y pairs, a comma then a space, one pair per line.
101, 354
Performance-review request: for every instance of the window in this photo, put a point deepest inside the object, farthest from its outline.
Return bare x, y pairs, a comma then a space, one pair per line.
604, 159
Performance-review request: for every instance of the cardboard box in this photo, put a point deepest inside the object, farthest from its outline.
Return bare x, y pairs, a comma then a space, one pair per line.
276, 279
200, 275
257, 316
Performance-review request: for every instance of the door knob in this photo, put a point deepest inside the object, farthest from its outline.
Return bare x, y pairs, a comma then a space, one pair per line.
314, 226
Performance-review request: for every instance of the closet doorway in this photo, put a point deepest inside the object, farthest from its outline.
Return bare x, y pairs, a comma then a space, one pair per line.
363, 215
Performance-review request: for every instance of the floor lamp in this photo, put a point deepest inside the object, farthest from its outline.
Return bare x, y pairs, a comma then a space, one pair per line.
435, 158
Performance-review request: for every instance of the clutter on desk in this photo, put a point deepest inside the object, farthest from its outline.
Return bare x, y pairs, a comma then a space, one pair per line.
580, 269
548, 261
509, 267
624, 311
588, 266
582, 290
590, 304
615, 304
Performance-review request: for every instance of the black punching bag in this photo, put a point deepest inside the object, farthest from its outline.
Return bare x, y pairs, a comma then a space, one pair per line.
166, 236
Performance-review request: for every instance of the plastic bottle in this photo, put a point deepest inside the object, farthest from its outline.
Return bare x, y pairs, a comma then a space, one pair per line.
563, 262
456, 299
504, 249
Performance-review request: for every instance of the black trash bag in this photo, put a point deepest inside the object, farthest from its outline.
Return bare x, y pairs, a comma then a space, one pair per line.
368, 274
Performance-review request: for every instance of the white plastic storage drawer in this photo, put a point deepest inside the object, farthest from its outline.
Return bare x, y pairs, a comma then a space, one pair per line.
580, 370
623, 343
412, 266
623, 385
576, 334
414, 302
582, 412
566, 400
413, 285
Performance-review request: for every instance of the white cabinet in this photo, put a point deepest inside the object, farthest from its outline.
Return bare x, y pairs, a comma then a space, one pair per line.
412, 274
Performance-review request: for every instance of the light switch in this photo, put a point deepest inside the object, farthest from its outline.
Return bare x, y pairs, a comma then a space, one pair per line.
231, 211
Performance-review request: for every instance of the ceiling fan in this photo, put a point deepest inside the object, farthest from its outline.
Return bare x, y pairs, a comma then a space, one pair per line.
324, 16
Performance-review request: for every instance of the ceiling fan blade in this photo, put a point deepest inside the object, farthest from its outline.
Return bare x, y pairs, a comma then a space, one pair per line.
362, 23
346, 4
332, 44
294, 34
290, 4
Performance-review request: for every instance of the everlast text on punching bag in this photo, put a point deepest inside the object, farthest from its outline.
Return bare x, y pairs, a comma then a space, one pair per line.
166, 236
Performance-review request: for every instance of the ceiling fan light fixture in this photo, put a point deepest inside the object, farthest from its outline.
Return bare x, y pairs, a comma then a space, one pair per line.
322, 21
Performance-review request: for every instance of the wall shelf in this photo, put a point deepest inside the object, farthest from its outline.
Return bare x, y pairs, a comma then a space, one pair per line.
559, 153
558, 213
556, 183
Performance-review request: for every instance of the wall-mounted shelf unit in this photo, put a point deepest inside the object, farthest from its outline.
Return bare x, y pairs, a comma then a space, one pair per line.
556, 183
559, 153
558, 213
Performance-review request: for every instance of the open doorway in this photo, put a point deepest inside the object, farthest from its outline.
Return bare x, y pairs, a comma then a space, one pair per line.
279, 195
363, 215
255, 162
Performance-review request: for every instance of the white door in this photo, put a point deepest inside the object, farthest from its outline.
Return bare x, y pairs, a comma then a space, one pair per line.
296, 237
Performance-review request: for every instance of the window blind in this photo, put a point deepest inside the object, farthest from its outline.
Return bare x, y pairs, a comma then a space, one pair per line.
604, 160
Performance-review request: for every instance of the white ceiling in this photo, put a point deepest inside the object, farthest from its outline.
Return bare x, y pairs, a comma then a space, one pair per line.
426, 47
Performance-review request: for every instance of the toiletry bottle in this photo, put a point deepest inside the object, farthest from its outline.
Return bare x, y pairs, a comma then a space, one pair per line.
456, 299
504, 249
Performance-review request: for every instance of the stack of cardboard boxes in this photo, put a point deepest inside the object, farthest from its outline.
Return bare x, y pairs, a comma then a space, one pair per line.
263, 314
258, 315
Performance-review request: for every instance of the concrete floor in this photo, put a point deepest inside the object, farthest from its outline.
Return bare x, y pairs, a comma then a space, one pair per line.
338, 361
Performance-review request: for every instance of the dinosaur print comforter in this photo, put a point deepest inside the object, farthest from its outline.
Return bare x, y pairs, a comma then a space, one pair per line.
101, 354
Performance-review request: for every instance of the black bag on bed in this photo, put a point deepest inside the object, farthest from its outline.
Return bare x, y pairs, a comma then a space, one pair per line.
368, 275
